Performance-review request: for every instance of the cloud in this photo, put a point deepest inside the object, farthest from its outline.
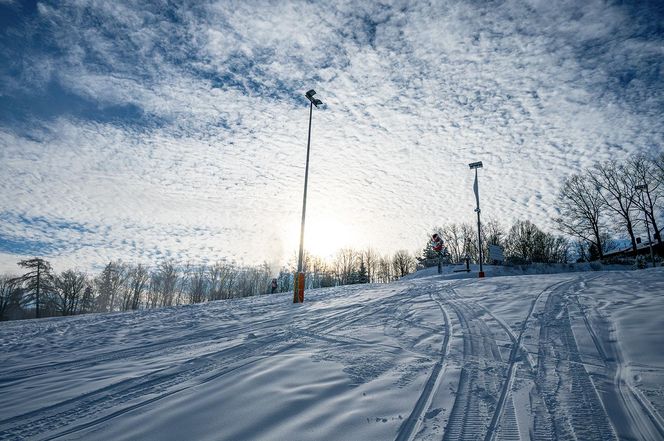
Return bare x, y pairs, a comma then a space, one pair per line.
180, 130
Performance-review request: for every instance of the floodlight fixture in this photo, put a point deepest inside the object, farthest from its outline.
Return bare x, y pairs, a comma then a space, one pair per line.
310, 96
477, 164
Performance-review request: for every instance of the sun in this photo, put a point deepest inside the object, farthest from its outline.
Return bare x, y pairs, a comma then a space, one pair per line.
323, 237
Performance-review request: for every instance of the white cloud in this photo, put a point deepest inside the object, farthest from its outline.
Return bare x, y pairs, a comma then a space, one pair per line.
214, 165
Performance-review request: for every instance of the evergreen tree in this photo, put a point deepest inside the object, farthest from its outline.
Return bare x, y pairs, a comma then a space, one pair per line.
428, 257
362, 276
38, 281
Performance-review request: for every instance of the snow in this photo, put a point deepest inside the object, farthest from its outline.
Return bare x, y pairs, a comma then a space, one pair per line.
573, 355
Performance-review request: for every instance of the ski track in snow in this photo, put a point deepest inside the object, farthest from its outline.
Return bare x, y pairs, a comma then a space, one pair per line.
625, 403
550, 367
410, 427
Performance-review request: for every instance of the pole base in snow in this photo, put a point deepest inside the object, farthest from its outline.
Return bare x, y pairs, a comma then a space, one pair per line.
298, 288
481, 274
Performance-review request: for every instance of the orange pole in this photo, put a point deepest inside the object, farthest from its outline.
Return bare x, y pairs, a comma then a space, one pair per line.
301, 290
298, 288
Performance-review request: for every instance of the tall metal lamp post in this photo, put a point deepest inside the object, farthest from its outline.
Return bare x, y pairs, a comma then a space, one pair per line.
298, 291
475, 166
645, 218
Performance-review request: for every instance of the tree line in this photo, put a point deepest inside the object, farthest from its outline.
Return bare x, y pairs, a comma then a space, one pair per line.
522, 243
349, 266
120, 286
610, 199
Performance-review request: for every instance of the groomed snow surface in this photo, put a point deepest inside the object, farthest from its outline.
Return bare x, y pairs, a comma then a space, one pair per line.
571, 356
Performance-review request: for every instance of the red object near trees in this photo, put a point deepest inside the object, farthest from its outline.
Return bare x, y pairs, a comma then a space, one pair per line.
437, 243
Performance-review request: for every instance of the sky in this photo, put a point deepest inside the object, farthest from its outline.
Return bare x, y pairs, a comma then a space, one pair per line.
146, 130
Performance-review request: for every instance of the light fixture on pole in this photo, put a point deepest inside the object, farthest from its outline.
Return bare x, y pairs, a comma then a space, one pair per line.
475, 166
298, 290
645, 218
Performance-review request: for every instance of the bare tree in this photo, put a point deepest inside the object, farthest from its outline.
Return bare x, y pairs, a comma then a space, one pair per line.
230, 282
403, 263
163, 284
319, 274
522, 241
385, 272
581, 211
216, 280
344, 264
526, 243
137, 279
153, 294
197, 284
69, 290
242, 286
493, 232
469, 237
10, 297
453, 238
658, 163
370, 259
182, 284
253, 281
222, 279
617, 189
262, 279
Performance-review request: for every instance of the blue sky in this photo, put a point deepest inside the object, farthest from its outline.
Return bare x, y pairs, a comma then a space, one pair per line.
150, 130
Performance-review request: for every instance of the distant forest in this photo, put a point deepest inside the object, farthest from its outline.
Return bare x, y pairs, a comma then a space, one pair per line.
600, 207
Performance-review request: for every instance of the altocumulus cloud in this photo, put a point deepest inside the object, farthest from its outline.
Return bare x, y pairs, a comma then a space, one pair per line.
148, 130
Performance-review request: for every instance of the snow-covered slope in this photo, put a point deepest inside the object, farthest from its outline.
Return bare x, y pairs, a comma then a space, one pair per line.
562, 356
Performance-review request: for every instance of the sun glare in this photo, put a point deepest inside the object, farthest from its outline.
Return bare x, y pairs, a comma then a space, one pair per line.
324, 237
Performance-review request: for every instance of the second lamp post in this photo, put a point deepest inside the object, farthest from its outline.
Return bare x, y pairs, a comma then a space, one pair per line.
475, 166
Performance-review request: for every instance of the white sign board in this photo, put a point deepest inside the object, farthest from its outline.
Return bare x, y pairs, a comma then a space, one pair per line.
496, 253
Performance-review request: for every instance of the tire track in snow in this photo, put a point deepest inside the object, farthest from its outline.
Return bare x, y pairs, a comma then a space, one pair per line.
480, 377
570, 407
181, 343
358, 311
216, 375
631, 414
513, 361
157, 385
132, 394
412, 424
484, 375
